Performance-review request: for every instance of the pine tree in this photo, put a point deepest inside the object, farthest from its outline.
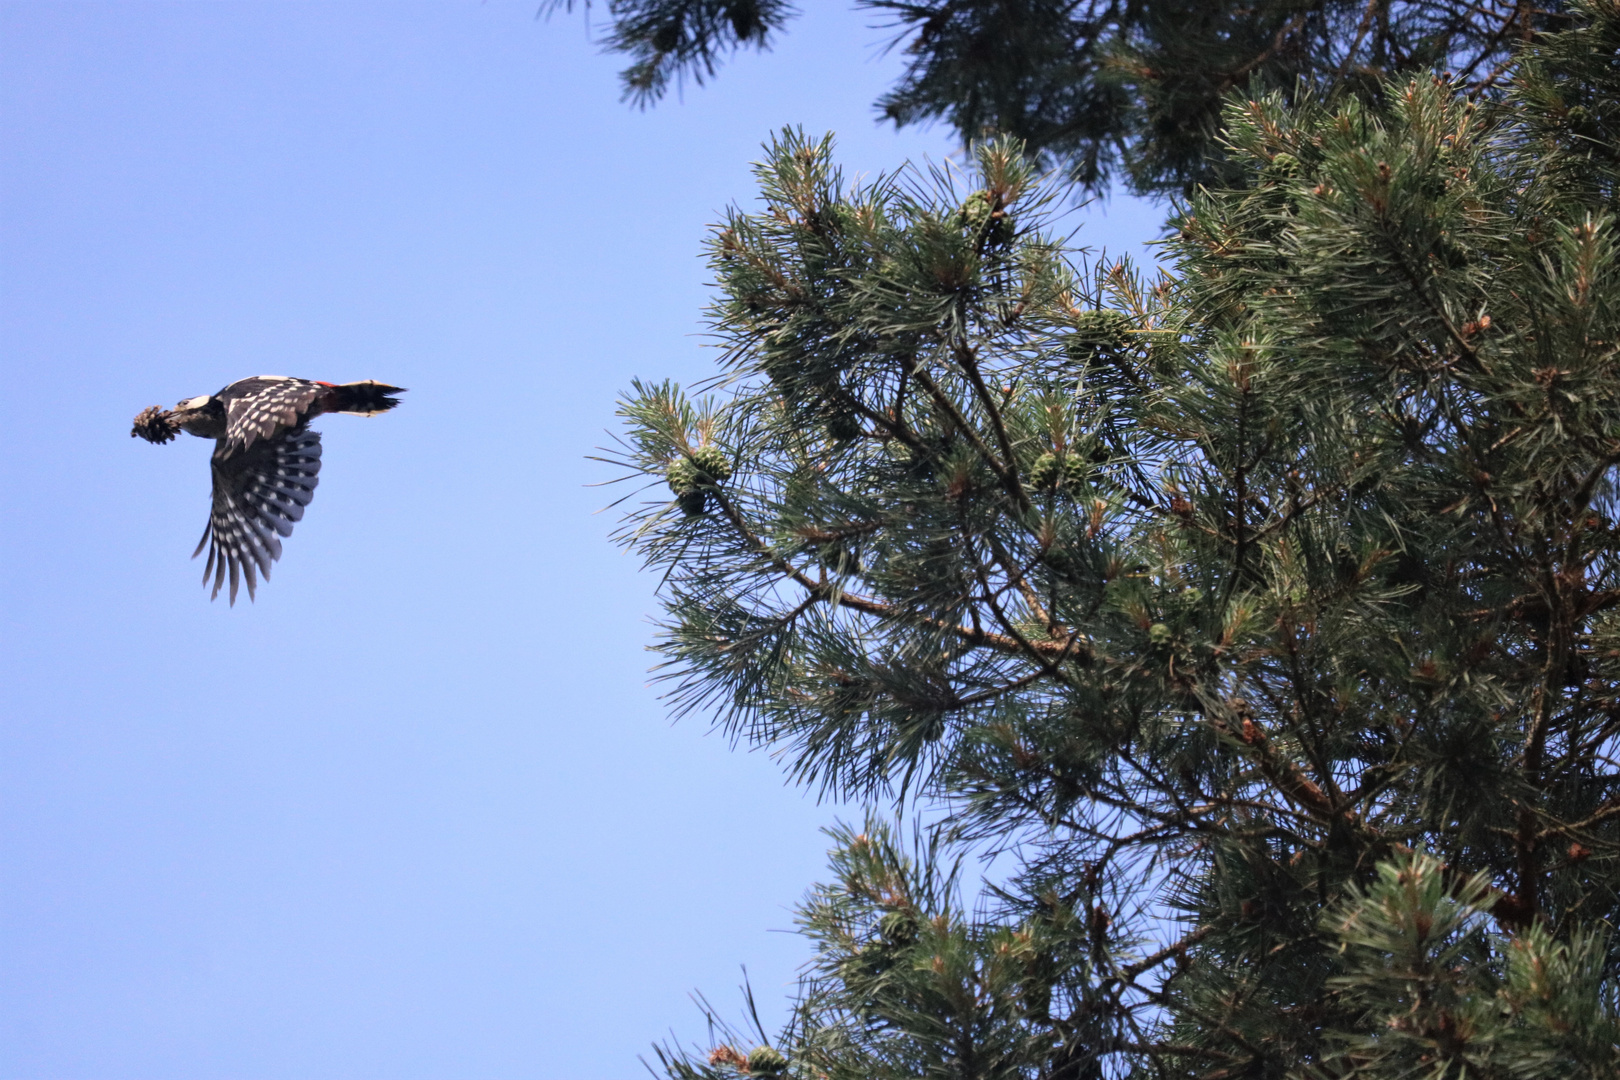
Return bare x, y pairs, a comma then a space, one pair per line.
1102, 86
1266, 615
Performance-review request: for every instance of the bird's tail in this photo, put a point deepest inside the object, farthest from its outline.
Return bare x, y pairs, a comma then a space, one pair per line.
364, 398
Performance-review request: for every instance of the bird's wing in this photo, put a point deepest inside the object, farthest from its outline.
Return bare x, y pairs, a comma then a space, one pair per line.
259, 493
263, 407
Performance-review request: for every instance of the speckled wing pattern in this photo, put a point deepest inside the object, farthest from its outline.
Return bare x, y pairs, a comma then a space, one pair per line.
264, 406
260, 491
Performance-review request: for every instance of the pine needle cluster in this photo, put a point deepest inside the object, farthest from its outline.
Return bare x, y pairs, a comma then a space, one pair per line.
1104, 88
1267, 614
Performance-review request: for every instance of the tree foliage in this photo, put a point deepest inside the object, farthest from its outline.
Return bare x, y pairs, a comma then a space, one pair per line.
1266, 614
673, 40
1104, 86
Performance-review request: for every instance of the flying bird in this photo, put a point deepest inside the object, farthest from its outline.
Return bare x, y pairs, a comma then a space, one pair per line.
265, 463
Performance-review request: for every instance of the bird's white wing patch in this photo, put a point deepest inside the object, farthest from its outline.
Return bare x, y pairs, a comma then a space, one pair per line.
264, 406
259, 493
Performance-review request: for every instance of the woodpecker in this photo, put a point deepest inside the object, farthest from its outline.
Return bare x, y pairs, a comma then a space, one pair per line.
265, 462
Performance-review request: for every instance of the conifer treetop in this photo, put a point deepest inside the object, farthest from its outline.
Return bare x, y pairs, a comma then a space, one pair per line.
1266, 615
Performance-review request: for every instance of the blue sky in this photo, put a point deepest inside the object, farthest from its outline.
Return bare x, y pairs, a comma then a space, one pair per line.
417, 812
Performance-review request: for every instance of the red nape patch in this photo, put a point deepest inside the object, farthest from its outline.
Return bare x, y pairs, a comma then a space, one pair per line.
319, 383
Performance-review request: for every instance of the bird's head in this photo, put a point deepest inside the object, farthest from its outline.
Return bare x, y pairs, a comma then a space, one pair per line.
204, 416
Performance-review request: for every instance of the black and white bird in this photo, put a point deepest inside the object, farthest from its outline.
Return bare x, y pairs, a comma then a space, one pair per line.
266, 461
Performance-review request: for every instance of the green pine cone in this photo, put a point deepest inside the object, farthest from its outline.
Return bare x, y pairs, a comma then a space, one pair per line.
1044, 473
766, 1061
1284, 166
688, 481
1052, 471
1095, 330
978, 212
897, 928
974, 212
712, 464
1075, 472
844, 427
683, 476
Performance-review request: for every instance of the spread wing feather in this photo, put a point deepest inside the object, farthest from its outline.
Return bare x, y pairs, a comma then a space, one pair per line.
259, 493
264, 406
